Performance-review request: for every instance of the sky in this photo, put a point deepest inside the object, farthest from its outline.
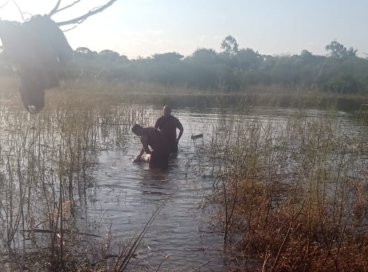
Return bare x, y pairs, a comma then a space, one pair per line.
144, 27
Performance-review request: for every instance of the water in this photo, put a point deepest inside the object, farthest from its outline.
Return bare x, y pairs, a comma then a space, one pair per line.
127, 194
122, 196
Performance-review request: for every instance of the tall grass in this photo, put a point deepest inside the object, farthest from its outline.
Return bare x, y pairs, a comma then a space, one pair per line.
293, 194
183, 96
46, 167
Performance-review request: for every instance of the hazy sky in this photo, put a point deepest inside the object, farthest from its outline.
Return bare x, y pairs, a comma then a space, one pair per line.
144, 27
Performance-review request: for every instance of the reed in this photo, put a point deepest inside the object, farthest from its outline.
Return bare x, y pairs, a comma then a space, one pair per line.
46, 168
293, 194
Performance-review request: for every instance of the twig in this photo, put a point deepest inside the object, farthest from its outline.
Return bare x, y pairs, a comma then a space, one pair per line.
20, 11
66, 30
66, 231
282, 246
105, 258
61, 220
267, 256
82, 18
64, 8
141, 235
164, 259
4, 4
199, 266
55, 9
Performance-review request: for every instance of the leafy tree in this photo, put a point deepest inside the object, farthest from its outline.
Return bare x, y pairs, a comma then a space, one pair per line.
109, 55
168, 57
204, 56
248, 58
230, 46
85, 52
232, 69
123, 59
339, 51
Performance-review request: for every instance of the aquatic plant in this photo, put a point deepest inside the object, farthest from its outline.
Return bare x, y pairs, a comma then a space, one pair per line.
293, 194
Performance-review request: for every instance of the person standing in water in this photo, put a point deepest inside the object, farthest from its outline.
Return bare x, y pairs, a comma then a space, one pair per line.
168, 125
151, 137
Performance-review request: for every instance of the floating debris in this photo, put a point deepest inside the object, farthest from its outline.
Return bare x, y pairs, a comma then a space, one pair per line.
193, 137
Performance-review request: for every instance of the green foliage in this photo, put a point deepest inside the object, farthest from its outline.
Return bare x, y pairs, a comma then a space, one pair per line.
338, 51
230, 46
232, 69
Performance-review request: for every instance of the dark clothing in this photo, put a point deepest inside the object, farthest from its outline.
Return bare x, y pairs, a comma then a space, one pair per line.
159, 160
168, 125
156, 140
174, 147
161, 150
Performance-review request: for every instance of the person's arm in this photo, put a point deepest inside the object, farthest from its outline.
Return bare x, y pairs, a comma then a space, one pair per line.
140, 154
181, 130
145, 147
157, 123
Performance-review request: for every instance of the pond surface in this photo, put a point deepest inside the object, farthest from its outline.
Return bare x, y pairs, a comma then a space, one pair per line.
127, 194
123, 196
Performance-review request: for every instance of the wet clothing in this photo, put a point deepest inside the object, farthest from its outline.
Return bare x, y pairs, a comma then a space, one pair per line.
168, 125
35, 48
161, 150
159, 160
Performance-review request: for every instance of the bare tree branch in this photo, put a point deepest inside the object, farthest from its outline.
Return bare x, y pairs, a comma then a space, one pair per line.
66, 30
4, 4
20, 11
55, 9
92, 12
64, 8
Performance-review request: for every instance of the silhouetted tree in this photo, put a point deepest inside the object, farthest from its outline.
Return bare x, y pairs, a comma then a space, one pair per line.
230, 46
168, 57
339, 51
109, 55
204, 56
342, 71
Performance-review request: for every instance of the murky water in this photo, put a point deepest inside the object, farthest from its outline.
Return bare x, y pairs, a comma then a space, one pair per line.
128, 194
123, 196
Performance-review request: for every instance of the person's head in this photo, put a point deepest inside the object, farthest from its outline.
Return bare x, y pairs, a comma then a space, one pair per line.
167, 110
137, 130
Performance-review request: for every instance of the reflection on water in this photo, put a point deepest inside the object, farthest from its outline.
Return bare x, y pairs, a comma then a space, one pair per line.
122, 196
130, 193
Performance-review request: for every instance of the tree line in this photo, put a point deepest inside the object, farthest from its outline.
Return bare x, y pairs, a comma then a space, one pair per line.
233, 68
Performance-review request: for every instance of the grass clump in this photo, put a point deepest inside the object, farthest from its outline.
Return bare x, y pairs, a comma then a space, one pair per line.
46, 168
293, 194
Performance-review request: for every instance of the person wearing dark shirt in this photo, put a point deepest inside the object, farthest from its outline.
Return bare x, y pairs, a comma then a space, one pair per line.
151, 137
168, 125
